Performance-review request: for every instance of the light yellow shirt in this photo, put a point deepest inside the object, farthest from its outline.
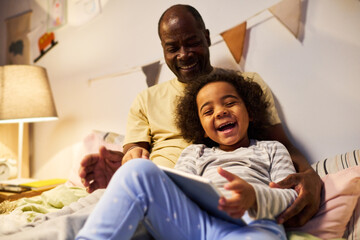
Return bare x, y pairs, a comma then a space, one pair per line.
151, 119
273, 114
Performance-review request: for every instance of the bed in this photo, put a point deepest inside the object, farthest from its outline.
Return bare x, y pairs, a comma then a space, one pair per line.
60, 213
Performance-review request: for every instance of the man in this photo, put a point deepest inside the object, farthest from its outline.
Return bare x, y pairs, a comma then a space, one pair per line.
152, 134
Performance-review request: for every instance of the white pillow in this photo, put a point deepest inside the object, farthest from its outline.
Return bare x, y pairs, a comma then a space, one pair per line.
91, 144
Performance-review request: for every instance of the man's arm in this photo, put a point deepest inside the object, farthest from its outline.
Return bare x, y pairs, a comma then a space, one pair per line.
306, 182
136, 150
276, 132
97, 169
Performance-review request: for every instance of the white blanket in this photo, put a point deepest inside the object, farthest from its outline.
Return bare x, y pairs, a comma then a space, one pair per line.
61, 224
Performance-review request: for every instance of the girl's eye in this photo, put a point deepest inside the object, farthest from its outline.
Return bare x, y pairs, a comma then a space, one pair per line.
229, 104
207, 112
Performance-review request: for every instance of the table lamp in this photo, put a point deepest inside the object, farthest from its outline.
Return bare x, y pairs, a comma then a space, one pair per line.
25, 96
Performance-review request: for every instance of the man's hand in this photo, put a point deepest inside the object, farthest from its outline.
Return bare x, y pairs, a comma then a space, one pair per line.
308, 186
135, 152
243, 195
97, 169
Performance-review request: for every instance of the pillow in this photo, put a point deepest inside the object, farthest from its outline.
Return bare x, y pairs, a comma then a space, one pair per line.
340, 196
337, 163
353, 228
333, 165
91, 144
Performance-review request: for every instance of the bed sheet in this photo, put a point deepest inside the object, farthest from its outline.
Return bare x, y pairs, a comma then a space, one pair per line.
61, 224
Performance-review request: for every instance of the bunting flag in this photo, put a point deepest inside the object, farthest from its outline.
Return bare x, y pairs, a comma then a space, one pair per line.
288, 12
234, 39
151, 72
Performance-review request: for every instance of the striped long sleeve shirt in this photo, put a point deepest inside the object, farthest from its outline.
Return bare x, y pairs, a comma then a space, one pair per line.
259, 164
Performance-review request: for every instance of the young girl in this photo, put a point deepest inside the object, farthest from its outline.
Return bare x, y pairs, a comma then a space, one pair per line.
222, 114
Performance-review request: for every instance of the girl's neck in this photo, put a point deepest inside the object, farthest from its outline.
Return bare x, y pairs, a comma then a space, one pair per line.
244, 143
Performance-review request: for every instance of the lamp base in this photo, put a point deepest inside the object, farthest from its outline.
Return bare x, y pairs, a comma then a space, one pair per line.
23, 150
9, 141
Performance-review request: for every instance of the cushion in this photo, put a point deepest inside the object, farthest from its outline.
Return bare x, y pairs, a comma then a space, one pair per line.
337, 163
339, 197
353, 228
333, 165
91, 144
339, 210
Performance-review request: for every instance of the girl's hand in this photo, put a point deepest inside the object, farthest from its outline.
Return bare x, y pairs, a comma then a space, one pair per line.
243, 195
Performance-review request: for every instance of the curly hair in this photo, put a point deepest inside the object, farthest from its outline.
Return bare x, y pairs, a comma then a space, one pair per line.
187, 118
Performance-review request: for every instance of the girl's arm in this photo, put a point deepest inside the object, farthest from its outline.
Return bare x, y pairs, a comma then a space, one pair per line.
243, 195
273, 201
308, 202
260, 200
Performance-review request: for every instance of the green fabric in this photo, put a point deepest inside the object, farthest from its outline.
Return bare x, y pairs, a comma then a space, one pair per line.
49, 201
304, 236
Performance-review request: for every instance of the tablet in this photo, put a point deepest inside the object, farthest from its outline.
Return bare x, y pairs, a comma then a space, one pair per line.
202, 191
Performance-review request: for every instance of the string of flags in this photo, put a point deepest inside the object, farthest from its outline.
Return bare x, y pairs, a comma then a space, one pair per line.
288, 12
21, 39
235, 39
151, 72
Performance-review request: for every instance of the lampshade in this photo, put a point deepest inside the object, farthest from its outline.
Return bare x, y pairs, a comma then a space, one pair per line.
25, 94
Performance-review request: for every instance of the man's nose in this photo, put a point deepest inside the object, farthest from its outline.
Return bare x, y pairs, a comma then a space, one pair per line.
183, 52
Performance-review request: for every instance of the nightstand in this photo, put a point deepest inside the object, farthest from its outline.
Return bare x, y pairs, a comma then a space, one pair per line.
14, 196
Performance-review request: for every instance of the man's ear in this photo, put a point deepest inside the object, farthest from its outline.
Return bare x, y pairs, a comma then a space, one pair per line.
207, 35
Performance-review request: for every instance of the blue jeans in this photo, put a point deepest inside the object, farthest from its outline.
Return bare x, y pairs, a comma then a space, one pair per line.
140, 191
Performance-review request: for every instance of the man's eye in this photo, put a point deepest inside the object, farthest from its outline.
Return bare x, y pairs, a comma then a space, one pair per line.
171, 49
194, 44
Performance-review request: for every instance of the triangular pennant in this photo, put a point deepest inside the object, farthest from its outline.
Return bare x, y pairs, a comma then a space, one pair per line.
234, 39
151, 72
288, 12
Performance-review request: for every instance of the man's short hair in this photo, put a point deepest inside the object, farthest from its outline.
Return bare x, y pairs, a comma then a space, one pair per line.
191, 10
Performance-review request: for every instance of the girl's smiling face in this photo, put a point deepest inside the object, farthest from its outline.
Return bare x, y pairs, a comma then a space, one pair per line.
223, 115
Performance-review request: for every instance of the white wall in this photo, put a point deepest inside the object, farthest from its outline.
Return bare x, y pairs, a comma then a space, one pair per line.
316, 82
